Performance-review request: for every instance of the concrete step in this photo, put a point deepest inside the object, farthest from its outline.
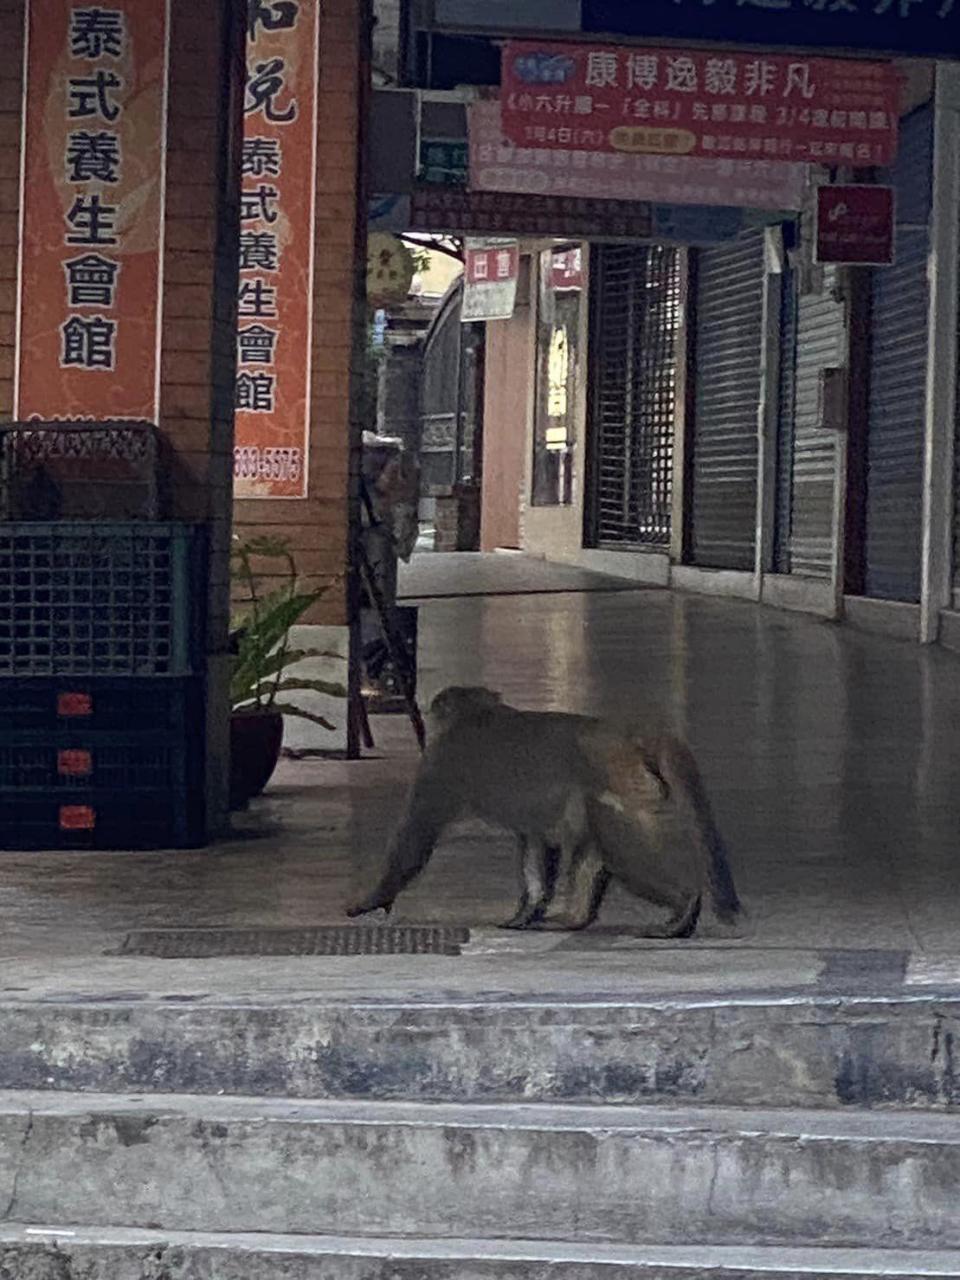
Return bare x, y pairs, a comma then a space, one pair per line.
787, 1051
638, 1175
52, 1253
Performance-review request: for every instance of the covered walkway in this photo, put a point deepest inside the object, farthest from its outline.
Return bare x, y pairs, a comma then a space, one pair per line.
832, 757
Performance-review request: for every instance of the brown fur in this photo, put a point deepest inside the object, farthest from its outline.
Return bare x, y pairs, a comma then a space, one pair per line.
615, 805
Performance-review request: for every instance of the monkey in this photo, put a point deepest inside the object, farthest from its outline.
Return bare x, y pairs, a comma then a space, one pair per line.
588, 803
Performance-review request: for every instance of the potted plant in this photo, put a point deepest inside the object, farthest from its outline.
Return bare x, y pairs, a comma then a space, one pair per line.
261, 681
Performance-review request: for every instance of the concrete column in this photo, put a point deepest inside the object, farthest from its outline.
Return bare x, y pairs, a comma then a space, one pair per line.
941, 409
768, 414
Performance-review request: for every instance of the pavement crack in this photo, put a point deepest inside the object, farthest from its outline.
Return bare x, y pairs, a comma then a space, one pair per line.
714, 1178
8, 1212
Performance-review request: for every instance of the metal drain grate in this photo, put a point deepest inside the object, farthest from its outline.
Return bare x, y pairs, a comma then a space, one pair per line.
322, 940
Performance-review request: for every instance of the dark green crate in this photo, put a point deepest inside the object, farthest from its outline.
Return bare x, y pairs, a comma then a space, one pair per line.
124, 820
46, 708
110, 599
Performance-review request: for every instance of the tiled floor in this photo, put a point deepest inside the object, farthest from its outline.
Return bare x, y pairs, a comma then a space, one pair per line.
833, 758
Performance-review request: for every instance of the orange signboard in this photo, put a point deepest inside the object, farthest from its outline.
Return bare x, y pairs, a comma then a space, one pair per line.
92, 210
276, 250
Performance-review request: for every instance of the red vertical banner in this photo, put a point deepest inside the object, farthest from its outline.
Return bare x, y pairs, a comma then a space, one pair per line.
92, 210
276, 250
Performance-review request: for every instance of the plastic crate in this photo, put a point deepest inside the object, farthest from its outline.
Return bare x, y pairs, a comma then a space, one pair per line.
100, 599
65, 710
133, 766
101, 764
94, 819
81, 470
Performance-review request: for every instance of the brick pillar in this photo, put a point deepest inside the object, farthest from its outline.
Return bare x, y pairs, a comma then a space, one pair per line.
318, 527
198, 360
198, 346
11, 91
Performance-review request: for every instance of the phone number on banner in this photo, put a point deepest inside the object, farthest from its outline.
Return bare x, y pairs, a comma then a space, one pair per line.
250, 463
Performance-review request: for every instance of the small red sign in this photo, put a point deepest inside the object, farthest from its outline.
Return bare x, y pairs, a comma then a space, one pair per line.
496, 265
77, 817
73, 705
693, 102
856, 225
74, 764
567, 269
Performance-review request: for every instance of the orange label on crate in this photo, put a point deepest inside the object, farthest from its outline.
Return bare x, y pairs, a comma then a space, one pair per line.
77, 817
70, 705
74, 764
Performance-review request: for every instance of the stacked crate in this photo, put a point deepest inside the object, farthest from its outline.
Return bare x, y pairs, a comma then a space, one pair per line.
101, 683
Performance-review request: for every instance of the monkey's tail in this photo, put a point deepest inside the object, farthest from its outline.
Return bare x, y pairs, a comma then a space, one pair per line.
679, 770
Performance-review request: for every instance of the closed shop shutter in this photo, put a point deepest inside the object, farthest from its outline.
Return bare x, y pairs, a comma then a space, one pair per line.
898, 373
821, 343
729, 309
635, 320
786, 421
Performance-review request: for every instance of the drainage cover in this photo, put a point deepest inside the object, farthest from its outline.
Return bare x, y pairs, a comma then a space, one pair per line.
330, 940
321, 940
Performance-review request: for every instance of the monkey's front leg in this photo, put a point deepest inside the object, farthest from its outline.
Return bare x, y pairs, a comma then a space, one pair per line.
538, 865
428, 812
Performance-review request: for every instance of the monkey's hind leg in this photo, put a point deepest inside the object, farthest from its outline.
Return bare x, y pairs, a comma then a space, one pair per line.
682, 924
538, 872
587, 882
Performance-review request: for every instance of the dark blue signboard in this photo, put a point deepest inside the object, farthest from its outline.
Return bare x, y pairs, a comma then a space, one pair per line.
910, 28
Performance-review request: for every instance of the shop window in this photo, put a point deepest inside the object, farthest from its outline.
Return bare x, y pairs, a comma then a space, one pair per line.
558, 361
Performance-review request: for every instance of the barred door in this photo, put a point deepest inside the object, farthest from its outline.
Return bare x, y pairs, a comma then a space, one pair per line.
635, 324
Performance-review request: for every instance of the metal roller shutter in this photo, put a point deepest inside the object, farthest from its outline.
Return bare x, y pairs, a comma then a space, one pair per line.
729, 322
786, 421
636, 291
898, 374
821, 341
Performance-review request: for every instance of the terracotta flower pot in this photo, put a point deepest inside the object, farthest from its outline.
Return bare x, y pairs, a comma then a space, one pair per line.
255, 741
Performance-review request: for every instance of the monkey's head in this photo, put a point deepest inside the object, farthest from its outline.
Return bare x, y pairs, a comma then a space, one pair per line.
457, 701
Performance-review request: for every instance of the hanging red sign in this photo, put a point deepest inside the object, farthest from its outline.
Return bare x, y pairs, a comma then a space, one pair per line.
690, 102
91, 211
855, 225
276, 252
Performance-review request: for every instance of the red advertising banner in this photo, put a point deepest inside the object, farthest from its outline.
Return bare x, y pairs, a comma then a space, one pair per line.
276, 251
690, 102
856, 226
91, 207
498, 165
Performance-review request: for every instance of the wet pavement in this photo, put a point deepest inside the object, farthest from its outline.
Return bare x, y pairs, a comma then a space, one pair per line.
832, 758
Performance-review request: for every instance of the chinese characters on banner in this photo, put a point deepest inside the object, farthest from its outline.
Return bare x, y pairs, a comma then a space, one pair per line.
498, 165
92, 199
491, 271
276, 251
695, 103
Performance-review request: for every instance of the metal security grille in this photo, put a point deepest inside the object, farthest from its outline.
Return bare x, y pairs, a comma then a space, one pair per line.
786, 424
729, 314
634, 342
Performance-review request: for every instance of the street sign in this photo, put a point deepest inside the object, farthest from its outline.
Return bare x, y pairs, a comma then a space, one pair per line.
909, 28
491, 272
687, 102
855, 225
